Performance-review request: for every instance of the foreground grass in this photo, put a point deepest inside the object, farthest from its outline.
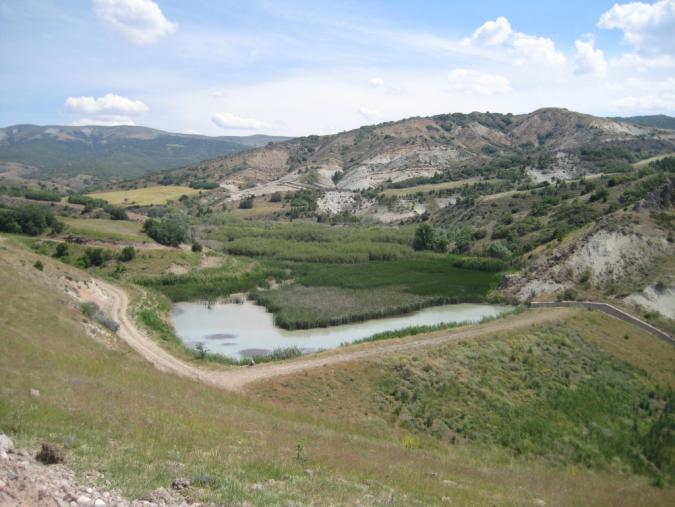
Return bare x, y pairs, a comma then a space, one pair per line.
159, 194
114, 413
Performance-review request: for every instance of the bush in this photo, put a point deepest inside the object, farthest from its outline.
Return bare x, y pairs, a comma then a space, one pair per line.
32, 220
61, 250
117, 213
426, 238
197, 246
92, 311
172, 229
498, 250
127, 254
275, 197
246, 203
38, 265
41, 195
94, 257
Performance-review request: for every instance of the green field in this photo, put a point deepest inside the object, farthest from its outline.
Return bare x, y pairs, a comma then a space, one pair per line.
159, 194
99, 228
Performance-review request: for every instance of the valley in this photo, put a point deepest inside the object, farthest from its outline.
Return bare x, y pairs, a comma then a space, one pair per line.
374, 288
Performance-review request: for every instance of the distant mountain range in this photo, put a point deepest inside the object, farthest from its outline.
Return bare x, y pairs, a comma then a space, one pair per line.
105, 153
660, 121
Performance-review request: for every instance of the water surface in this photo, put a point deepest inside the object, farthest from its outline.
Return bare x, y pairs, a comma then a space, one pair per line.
243, 330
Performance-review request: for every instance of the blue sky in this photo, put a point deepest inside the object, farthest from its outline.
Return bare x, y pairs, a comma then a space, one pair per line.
301, 67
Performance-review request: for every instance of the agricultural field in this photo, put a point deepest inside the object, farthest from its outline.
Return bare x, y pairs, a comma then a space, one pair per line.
433, 187
146, 196
103, 229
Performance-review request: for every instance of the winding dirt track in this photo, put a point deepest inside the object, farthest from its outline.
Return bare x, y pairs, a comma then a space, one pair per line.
236, 378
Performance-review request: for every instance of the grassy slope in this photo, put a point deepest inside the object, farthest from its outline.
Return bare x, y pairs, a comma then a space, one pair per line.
569, 403
142, 428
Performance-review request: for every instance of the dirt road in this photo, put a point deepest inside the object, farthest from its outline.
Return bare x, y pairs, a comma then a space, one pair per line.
236, 378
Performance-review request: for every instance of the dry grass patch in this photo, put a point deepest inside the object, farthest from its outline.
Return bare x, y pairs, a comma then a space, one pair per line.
159, 194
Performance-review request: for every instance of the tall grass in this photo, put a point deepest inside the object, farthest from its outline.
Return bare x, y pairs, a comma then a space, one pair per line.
210, 284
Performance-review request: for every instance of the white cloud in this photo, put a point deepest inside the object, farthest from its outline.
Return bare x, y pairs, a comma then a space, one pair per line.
109, 104
635, 61
491, 33
229, 121
476, 82
589, 60
648, 95
648, 27
375, 82
139, 21
538, 50
530, 49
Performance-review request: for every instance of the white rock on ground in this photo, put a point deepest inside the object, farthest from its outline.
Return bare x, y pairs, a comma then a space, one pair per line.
24, 482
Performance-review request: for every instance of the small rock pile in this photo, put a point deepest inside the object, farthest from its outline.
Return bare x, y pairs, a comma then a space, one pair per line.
25, 482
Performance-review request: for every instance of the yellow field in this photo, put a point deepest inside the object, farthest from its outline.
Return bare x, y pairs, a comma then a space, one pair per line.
145, 196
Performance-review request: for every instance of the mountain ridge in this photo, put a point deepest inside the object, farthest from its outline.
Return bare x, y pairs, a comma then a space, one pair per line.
110, 153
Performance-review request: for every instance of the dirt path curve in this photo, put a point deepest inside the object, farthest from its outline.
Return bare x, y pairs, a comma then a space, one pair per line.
236, 378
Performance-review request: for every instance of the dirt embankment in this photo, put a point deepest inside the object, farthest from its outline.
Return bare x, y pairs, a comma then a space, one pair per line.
236, 378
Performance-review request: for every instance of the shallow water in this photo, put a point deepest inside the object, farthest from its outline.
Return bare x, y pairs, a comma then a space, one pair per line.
242, 330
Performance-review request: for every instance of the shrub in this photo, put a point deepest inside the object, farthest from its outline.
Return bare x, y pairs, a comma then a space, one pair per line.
94, 257
172, 229
275, 197
498, 250
246, 203
426, 238
127, 254
92, 311
38, 265
197, 246
61, 250
117, 213
41, 195
31, 219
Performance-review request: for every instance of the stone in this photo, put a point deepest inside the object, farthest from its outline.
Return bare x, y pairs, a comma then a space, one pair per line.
180, 483
100, 503
34, 393
50, 454
6, 443
84, 501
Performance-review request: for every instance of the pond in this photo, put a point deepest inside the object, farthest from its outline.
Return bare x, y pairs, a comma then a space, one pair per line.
245, 330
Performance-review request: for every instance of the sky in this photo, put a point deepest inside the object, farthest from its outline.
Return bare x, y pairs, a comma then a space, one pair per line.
310, 67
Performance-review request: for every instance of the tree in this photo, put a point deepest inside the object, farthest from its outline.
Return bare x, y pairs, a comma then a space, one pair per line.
117, 213
424, 237
172, 229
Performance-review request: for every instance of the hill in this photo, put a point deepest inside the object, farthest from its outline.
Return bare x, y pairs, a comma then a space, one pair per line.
111, 152
660, 121
547, 143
